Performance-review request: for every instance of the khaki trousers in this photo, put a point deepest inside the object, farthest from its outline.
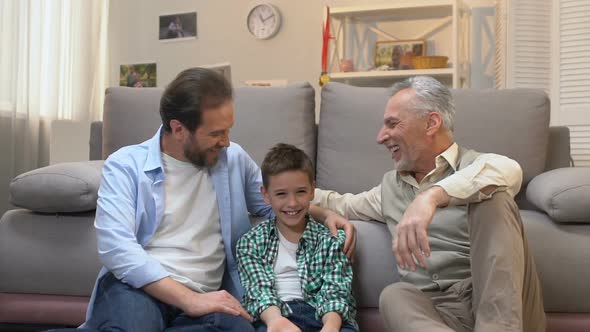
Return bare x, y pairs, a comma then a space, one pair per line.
503, 293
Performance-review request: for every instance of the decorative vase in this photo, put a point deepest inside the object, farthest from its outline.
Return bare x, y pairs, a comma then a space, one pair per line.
346, 65
406, 61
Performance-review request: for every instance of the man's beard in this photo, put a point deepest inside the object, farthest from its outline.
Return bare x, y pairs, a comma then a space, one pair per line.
196, 156
403, 165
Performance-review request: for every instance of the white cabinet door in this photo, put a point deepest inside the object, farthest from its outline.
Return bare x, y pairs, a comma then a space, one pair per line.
523, 44
570, 93
545, 44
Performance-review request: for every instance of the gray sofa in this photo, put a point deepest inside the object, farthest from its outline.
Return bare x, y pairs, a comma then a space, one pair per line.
48, 257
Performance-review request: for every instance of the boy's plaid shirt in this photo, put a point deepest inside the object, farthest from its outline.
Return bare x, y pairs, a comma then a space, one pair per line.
325, 272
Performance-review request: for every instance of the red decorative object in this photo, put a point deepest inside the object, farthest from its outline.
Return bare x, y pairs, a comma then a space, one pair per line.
324, 78
325, 40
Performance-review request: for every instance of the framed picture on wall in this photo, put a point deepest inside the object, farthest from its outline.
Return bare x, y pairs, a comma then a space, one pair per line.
179, 26
138, 75
397, 54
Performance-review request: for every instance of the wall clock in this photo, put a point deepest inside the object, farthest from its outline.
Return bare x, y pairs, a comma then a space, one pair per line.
264, 21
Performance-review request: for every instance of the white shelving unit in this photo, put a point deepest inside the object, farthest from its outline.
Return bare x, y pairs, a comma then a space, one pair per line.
352, 24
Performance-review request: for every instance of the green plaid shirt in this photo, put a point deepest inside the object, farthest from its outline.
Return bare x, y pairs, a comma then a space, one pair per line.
325, 272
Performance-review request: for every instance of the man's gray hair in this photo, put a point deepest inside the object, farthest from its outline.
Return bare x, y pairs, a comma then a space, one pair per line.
431, 96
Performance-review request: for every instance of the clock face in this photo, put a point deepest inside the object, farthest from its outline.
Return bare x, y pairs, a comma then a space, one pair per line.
264, 21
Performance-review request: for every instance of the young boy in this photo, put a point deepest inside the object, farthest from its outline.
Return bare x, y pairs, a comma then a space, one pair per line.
294, 273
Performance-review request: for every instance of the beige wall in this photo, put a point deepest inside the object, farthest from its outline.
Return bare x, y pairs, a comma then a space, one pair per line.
293, 54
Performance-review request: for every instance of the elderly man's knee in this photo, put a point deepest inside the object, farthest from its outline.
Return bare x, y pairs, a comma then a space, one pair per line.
396, 294
500, 203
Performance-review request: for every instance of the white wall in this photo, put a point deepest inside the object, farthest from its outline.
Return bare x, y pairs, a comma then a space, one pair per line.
293, 54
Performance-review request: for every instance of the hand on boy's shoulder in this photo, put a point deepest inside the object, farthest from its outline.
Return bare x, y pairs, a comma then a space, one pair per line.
340, 240
341, 236
334, 240
337, 242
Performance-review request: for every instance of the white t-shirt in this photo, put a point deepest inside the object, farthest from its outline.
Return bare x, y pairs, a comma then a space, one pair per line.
188, 242
287, 282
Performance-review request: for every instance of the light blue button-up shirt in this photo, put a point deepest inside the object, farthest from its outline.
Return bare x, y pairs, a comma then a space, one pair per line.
131, 206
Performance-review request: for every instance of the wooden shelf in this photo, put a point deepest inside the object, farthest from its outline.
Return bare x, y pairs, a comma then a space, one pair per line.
389, 74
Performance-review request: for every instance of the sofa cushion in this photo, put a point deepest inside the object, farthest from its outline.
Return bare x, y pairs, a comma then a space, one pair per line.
374, 264
562, 261
51, 254
65, 187
563, 194
513, 122
349, 159
264, 116
122, 107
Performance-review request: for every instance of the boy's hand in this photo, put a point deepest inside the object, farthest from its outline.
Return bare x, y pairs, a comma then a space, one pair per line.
329, 329
275, 322
282, 325
332, 322
334, 222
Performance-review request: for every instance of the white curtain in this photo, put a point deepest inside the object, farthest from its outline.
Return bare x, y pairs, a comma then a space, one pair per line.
52, 66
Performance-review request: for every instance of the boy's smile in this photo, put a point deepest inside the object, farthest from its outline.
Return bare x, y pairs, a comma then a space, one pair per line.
289, 194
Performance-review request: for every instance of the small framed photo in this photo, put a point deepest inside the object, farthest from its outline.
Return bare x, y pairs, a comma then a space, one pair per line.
139, 75
175, 27
397, 54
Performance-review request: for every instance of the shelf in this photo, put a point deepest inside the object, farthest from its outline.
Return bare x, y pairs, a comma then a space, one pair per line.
380, 75
394, 10
352, 41
364, 9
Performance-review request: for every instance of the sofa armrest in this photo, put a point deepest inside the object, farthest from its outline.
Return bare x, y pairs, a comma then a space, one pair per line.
563, 194
65, 187
95, 151
558, 151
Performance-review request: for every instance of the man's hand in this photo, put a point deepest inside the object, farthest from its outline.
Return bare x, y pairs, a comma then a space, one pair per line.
219, 301
411, 238
192, 303
334, 222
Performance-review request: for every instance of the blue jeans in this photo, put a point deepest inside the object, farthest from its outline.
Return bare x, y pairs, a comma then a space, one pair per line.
304, 317
120, 307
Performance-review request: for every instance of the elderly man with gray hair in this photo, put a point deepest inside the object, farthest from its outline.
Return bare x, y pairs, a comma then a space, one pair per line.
457, 234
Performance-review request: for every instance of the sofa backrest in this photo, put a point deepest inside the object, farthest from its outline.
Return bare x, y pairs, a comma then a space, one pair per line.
264, 116
130, 116
512, 122
348, 159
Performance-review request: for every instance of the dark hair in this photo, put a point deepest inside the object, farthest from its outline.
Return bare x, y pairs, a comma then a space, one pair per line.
193, 91
285, 157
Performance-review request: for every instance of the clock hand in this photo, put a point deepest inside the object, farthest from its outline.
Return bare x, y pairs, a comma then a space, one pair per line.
264, 19
260, 17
